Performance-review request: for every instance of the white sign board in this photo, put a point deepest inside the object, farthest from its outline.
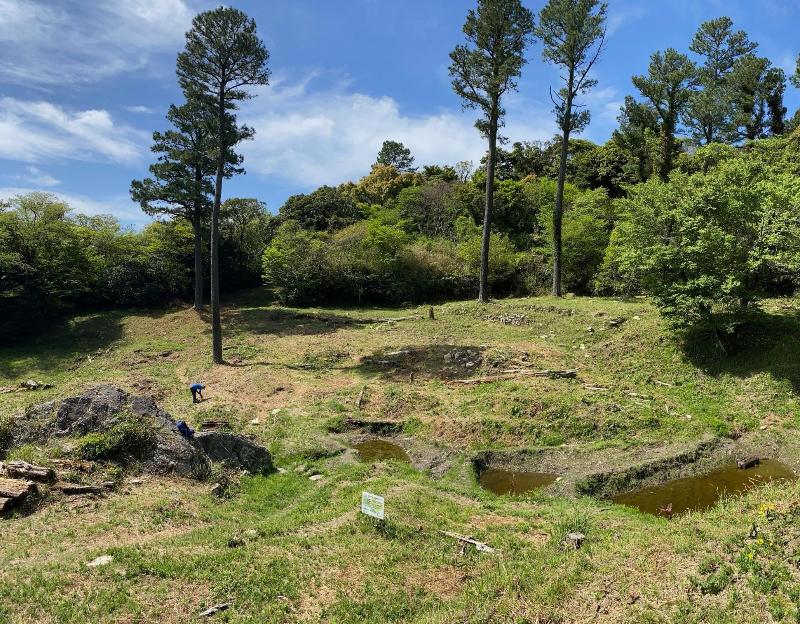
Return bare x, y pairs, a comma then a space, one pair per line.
372, 505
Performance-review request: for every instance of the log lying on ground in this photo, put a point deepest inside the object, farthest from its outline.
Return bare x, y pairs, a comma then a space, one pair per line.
466, 539
16, 489
18, 469
518, 372
73, 489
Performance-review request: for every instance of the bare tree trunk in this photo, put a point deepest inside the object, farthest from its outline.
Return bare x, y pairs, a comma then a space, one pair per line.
483, 295
198, 260
216, 322
558, 213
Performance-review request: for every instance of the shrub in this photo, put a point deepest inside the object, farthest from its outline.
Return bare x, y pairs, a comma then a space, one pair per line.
125, 441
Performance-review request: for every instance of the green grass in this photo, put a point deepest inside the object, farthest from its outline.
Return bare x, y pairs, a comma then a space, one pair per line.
285, 549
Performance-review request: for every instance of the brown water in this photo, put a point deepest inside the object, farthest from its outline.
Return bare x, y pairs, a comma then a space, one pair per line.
703, 491
511, 482
380, 450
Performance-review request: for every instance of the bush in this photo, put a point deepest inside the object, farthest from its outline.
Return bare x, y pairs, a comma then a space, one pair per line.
126, 441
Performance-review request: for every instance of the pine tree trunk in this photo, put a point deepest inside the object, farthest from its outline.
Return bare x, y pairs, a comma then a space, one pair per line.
483, 295
198, 260
558, 213
666, 161
216, 322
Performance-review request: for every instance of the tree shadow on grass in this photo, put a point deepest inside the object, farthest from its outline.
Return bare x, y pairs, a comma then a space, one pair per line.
280, 322
62, 344
765, 342
442, 361
68, 339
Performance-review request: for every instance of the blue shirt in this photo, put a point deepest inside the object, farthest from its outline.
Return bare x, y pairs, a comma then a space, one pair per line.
196, 387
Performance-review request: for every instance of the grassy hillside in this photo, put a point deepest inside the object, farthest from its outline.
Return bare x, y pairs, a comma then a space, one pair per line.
286, 549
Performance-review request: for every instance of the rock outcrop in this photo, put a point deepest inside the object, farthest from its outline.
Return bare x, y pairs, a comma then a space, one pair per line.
235, 451
100, 408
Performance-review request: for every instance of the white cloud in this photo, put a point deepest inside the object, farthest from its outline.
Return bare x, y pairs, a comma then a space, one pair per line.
33, 131
53, 43
621, 13
138, 109
120, 207
332, 135
39, 178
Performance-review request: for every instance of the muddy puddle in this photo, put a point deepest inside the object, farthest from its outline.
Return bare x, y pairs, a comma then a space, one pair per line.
703, 491
380, 450
512, 482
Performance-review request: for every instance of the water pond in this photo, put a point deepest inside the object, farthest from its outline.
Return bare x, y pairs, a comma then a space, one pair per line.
703, 491
380, 450
512, 482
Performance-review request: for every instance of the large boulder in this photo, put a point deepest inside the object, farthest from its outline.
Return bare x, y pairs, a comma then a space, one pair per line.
235, 451
100, 408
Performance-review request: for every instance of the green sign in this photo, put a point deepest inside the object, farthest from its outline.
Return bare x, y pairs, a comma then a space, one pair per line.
372, 505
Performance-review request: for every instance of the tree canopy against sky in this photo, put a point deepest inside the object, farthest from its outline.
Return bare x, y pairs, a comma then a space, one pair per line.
223, 55
483, 71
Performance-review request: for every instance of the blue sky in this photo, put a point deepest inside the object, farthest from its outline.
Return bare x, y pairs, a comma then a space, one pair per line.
83, 85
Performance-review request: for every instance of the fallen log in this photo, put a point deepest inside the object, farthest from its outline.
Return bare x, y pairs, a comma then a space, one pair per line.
76, 489
517, 372
18, 469
16, 489
466, 539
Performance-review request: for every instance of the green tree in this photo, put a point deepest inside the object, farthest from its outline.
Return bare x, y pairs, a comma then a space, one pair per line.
757, 91
709, 110
181, 185
702, 244
668, 87
483, 71
325, 209
397, 155
246, 228
223, 55
573, 32
638, 124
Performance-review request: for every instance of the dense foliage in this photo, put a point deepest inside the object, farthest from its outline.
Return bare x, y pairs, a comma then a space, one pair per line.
52, 260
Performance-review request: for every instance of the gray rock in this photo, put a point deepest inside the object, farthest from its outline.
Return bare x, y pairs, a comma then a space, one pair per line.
98, 410
95, 410
236, 451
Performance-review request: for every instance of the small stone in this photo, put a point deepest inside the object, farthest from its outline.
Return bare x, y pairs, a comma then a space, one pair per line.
575, 540
763, 427
688, 416
582, 347
637, 318
255, 421
136, 481
276, 411
217, 489
281, 470
100, 561
315, 477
